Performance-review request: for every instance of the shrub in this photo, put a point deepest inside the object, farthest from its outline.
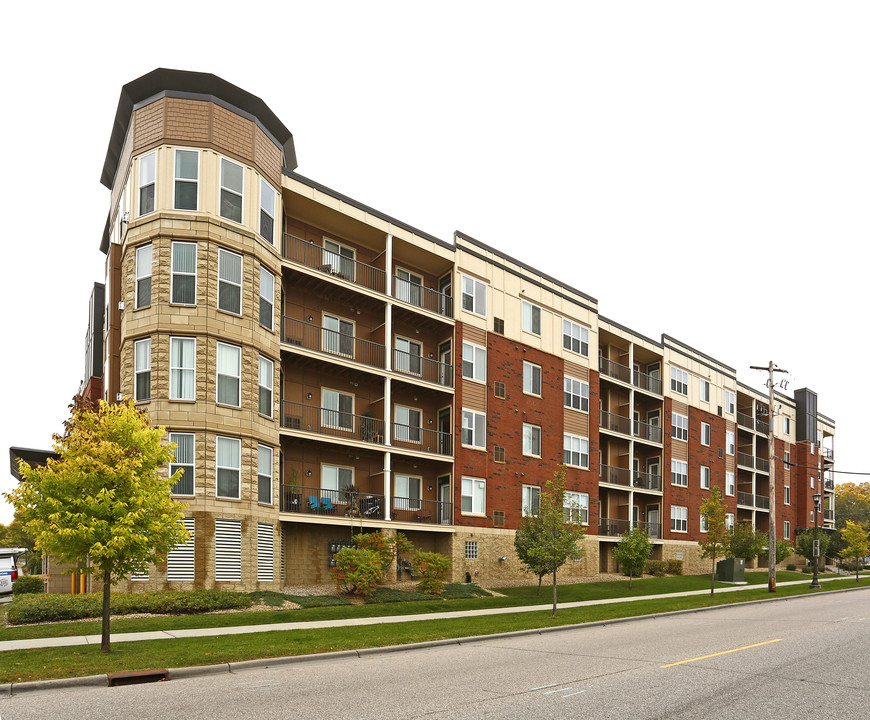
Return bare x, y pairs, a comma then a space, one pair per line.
847, 566
656, 567
806, 570
379, 544
431, 568
791, 566
357, 571
674, 567
28, 584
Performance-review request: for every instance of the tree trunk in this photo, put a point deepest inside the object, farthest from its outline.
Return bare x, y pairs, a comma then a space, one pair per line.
630, 578
554, 593
107, 589
713, 577
540, 580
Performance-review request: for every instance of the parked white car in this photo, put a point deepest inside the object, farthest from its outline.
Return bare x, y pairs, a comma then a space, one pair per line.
8, 568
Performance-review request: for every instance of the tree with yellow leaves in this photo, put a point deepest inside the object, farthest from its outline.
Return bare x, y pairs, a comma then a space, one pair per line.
103, 500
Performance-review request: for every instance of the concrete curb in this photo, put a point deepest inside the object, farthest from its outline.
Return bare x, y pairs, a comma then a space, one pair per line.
241, 666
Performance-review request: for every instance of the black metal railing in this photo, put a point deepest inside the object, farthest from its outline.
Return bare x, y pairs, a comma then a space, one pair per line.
647, 382
647, 481
366, 506
613, 527
433, 512
829, 514
415, 437
647, 431
422, 297
829, 484
433, 371
745, 420
617, 423
332, 342
325, 421
828, 454
745, 459
654, 530
744, 498
317, 257
614, 475
762, 464
614, 370
762, 501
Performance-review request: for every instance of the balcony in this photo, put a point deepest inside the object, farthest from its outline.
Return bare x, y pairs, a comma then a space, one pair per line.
309, 255
335, 423
617, 423
654, 530
749, 500
362, 506
827, 454
339, 346
422, 297
647, 382
751, 461
422, 439
611, 527
750, 423
829, 485
647, 481
614, 475
829, 515
647, 431
614, 370
423, 368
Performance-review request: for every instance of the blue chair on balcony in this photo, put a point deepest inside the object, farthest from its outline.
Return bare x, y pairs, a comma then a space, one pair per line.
312, 504
326, 505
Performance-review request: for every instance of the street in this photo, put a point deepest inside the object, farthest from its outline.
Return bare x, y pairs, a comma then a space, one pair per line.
796, 659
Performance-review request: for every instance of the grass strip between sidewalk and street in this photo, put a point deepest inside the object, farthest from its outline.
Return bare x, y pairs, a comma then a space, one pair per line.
49, 663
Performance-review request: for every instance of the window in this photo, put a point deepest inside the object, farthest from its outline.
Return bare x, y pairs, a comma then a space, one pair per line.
812, 481
265, 552
812, 516
498, 454
473, 428
575, 451
265, 383
267, 298
408, 423
679, 381
531, 378
142, 370
409, 287
184, 459
729, 483
531, 318
786, 529
787, 459
679, 427
575, 507
186, 193
338, 410
338, 336
264, 474
227, 550
335, 478
473, 362
679, 518
729, 442
408, 492
471, 549
229, 374
703, 524
729, 522
183, 273
730, 401
786, 425
704, 388
705, 433
229, 467
338, 259
232, 190
498, 390
705, 477
229, 282
531, 440
147, 176
143, 276
786, 495
473, 495
182, 372
473, 296
575, 337
679, 473
531, 500
408, 356
267, 211
576, 394
181, 560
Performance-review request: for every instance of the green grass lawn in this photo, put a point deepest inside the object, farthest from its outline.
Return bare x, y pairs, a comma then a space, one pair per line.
24, 665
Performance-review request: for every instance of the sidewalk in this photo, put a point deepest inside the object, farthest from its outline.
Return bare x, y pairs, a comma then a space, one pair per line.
243, 629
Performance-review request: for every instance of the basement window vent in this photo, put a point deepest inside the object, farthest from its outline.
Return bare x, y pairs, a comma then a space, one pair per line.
498, 453
720, 411
498, 389
498, 518
721, 454
498, 325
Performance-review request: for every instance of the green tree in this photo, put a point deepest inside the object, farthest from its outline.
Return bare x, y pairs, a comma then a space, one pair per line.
16, 534
852, 502
103, 501
632, 552
856, 543
784, 548
717, 537
804, 544
549, 539
746, 543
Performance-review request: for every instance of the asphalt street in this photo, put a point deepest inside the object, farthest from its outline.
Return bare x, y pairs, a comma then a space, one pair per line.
802, 658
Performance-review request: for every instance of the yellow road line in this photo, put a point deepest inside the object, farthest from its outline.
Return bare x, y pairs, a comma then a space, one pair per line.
724, 652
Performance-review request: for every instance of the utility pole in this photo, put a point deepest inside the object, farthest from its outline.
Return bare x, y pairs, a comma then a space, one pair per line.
771, 536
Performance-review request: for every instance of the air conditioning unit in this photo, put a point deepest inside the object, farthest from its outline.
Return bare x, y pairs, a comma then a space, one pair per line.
121, 305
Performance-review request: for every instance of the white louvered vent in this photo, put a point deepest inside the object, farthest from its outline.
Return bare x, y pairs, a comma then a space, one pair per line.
140, 577
265, 553
180, 561
227, 550
283, 576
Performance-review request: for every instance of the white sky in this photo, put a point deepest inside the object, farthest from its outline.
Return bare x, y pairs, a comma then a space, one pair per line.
700, 168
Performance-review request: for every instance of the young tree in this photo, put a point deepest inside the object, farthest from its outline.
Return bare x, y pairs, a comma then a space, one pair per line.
713, 511
525, 544
551, 538
103, 500
804, 544
856, 543
632, 552
746, 543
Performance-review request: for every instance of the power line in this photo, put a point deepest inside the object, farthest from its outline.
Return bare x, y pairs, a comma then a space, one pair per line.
788, 464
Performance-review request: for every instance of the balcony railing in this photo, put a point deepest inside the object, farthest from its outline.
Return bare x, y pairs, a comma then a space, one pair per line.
325, 421
750, 500
613, 527
647, 431
647, 382
762, 426
654, 530
745, 420
316, 257
762, 501
426, 511
828, 454
829, 484
614, 475
614, 370
415, 437
752, 461
744, 498
332, 342
617, 423
647, 481
829, 514
422, 297
424, 368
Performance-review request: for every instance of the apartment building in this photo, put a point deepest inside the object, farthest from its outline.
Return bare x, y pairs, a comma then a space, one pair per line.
324, 368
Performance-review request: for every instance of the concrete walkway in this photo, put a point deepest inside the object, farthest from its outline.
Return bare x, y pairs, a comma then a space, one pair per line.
243, 629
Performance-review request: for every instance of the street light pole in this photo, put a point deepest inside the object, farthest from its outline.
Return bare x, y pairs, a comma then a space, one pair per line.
817, 500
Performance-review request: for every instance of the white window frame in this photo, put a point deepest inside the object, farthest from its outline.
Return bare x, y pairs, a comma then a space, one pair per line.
221, 373
730, 483
786, 425
531, 504
473, 489
265, 460
786, 494
405, 360
729, 522
704, 389
173, 273
139, 370
730, 442
269, 213
679, 381
240, 194
730, 401
679, 427
473, 297
173, 369
141, 276
330, 477
265, 384
269, 299
703, 525
176, 179
330, 413
333, 340
219, 440
571, 395
679, 519
575, 445
679, 473
474, 423
475, 355
706, 478
531, 373
402, 491
152, 183
531, 437
531, 318
232, 283
706, 434
176, 464
786, 529
575, 507
574, 332
403, 428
